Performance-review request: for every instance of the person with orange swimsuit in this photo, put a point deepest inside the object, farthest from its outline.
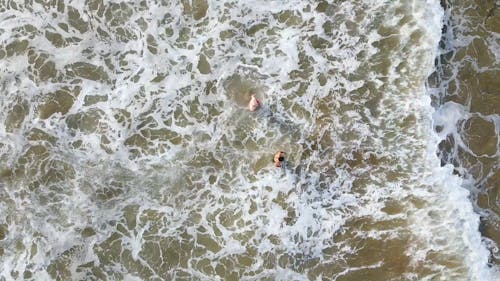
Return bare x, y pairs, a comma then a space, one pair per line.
279, 158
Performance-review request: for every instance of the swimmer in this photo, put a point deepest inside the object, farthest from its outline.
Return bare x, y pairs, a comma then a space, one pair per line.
254, 103
278, 159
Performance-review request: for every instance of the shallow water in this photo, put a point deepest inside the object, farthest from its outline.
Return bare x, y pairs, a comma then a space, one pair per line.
466, 95
127, 152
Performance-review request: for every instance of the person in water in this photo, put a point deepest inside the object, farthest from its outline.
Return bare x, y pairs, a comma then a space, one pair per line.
279, 158
254, 103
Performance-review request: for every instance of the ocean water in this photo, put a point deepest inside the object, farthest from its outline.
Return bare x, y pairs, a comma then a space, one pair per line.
466, 95
127, 153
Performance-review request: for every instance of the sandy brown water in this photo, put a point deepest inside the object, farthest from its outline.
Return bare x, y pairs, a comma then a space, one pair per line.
126, 151
469, 73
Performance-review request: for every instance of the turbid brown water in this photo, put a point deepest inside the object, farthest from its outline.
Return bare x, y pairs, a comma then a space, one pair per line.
468, 75
127, 153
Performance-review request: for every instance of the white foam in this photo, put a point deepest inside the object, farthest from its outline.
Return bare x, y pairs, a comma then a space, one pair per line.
452, 204
303, 210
